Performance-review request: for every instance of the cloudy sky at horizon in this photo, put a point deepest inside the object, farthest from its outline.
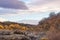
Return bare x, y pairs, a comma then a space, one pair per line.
16, 10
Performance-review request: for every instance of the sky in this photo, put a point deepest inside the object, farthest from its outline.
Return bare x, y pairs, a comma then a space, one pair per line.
17, 10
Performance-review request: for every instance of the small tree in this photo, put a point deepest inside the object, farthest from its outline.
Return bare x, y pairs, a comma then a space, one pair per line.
52, 14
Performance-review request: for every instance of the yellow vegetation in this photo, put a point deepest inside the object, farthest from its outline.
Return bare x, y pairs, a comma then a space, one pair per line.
43, 38
13, 26
1, 27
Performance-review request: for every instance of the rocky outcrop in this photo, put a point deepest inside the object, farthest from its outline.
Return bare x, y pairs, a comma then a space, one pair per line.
18, 35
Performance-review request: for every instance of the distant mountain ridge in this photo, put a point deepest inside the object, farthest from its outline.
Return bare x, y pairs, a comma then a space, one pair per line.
32, 22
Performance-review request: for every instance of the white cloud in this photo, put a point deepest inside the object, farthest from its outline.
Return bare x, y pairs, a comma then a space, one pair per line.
44, 5
3, 19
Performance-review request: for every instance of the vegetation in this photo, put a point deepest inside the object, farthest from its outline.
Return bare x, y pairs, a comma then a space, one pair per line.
14, 26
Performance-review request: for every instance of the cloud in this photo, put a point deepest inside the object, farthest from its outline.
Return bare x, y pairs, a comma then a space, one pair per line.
42, 2
44, 5
34, 22
4, 11
13, 4
34, 6
2, 19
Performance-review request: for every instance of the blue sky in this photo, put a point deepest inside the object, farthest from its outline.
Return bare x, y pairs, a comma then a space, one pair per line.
26, 0
16, 10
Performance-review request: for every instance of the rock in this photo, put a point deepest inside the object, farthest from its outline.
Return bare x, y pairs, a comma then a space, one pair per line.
14, 37
5, 32
19, 35
19, 32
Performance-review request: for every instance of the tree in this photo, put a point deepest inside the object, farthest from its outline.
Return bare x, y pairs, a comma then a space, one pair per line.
52, 14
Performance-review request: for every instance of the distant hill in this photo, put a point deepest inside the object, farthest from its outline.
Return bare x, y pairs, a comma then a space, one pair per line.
32, 22
13, 25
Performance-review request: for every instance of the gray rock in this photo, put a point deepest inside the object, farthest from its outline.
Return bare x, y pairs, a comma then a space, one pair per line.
5, 32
